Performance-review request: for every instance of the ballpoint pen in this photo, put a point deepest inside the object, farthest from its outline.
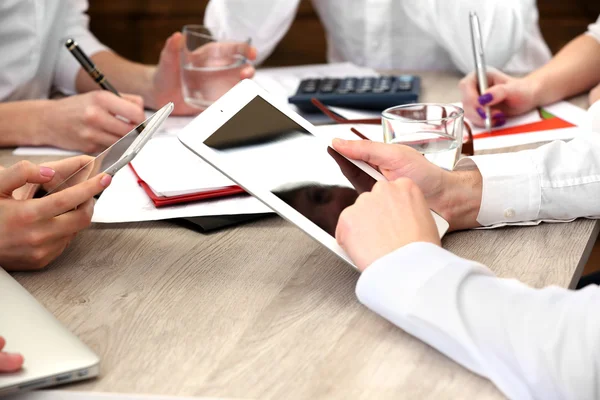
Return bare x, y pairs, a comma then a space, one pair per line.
480, 69
89, 66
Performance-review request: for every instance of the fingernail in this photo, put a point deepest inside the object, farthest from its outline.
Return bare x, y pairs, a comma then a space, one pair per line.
481, 112
499, 122
499, 115
105, 181
485, 98
47, 172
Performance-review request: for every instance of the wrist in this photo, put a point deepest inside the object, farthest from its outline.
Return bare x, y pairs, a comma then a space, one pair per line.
149, 93
535, 83
460, 199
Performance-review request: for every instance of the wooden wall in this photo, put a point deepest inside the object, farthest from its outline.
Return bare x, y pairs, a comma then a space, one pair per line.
137, 28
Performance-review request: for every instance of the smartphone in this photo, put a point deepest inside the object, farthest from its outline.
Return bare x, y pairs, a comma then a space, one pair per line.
111, 160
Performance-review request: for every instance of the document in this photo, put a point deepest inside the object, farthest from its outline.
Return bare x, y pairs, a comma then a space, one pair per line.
559, 121
125, 201
68, 395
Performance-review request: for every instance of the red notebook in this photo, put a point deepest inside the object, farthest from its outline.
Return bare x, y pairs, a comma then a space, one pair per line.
160, 201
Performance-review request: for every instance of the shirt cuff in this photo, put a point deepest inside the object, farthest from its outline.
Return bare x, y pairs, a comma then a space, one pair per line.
511, 187
68, 67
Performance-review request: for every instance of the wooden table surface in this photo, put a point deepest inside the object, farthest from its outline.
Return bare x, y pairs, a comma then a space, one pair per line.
261, 311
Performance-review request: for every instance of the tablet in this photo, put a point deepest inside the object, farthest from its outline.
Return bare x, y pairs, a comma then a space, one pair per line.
121, 153
257, 141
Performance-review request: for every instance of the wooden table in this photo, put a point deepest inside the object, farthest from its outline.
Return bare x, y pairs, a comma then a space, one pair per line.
262, 311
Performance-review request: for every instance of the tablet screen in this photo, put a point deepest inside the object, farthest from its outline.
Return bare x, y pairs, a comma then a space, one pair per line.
263, 144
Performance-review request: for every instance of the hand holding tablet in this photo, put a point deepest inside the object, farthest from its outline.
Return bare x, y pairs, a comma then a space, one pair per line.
269, 150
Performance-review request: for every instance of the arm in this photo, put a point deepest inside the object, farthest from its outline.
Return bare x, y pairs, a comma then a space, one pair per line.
530, 343
27, 134
503, 24
572, 71
265, 21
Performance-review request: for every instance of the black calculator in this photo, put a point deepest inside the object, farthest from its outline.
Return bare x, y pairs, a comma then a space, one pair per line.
366, 93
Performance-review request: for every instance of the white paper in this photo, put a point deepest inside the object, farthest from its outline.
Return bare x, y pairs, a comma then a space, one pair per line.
125, 201
68, 395
170, 169
44, 151
563, 110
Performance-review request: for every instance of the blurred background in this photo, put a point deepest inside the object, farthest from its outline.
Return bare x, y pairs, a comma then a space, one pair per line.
137, 29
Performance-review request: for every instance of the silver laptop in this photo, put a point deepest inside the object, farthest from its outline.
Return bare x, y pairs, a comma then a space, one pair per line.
52, 354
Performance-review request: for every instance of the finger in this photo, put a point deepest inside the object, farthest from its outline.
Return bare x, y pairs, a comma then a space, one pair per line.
66, 200
134, 98
170, 51
21, 173
247, 72
2, 343
100, 119
63, 227
120, 106
97, 139
375, 153
252, 53
494, 95
10, 362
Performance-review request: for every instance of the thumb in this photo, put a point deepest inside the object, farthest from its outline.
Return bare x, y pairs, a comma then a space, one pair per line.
375, 153
21, 173
169, 55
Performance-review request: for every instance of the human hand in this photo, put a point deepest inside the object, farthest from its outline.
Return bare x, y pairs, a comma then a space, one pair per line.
594, 94
456, 196
167, 75
33, 232
506, 96
391, 216
9, 362
87, 122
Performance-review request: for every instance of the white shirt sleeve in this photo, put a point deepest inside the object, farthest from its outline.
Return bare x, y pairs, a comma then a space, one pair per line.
556, 182
264, 21
594, 30
76, 27
502, 27
530, 343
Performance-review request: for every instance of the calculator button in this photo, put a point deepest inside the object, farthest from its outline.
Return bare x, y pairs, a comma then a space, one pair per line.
309, 86
383, 84
404, 83
328, 85
347, 85
365, 85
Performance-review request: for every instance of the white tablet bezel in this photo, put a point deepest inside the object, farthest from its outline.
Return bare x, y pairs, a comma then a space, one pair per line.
210, 120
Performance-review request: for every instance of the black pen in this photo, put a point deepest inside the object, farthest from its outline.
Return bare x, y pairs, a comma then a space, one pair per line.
89, 66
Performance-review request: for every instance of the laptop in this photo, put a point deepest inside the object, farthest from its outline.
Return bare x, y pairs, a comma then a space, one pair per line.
52, 354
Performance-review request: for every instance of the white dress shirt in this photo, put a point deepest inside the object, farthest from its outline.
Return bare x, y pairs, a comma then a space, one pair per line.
395, 34
531, 343
33, 57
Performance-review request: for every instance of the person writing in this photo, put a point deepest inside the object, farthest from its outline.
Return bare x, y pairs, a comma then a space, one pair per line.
395, 34
35, 62
531, 343
572, 71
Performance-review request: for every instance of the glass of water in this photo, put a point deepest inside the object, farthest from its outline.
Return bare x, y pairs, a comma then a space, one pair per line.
427, 128
209, 67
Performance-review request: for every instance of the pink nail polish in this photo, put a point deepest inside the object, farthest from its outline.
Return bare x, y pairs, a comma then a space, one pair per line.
47, 172
105, 181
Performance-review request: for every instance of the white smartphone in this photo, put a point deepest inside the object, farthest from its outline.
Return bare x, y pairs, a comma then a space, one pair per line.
111, 160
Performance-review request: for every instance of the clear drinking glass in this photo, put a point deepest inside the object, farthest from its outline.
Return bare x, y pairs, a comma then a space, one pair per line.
432, 129
209, 67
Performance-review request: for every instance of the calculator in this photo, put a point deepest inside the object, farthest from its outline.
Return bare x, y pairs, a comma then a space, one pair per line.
366, 93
